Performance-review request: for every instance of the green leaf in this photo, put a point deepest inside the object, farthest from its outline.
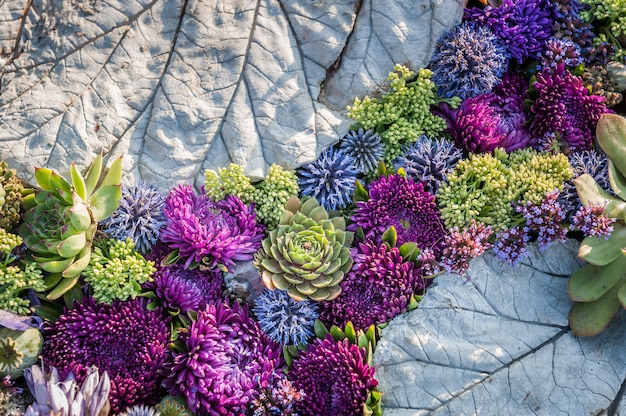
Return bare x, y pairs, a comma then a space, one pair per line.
611, 135
42, 177
617, 180
78, 181
350, 333
590, 193
592, 282
360, 193
601, 252
320, 329
337, 333
621, 295
93, 175
409, 251
591, 318
105, 201
114, 174
390, 236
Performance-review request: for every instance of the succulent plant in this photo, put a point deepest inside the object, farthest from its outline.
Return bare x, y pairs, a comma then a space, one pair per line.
18, 350
63, 397
308, 253
599, 288
62, 217
10, 197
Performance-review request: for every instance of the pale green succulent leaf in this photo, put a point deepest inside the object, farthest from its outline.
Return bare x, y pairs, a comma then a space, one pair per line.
104, 201
64, 286
79, 264
318, 214
72, 245
293, 205
308, 206
306, 288
114, 174
293, 278
271, 265
339, 223
42, 177
590, 193
93, 175
621, 295
611, 135
322, 281
350, 333
592, 282
601, 252
80, 216
78, 181
617, 181
591, 318
279, 281
53, 265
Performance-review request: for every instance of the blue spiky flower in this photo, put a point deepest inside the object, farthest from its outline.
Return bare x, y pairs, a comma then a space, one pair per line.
139, 216
284, 319
365, 146
468, 60
429, 160
330, 179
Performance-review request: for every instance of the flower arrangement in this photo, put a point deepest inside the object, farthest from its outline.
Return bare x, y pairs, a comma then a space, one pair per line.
505, 139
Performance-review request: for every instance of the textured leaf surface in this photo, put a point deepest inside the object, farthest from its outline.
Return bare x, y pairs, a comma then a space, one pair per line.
184, 85
500, 344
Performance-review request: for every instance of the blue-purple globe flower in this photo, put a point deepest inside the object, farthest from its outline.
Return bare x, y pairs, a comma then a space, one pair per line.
365, 147
139, 216
215, 234
125, 339
400, 201
222, 360
468, 60
378, 287
334, 376
330, 179
284, 319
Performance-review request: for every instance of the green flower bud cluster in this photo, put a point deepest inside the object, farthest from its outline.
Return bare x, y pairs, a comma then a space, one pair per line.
11, 198
609, 19
484, 187
268, 195
403, 113
15, 280
116, 270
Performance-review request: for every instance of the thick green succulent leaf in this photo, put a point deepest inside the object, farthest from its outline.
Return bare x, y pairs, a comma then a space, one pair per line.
318, 214
80, 263
337, 333
114, 174
617, 181
409, 251
271, 265
105, 201
601, 252
621, 295
293, 205
592, 282
611, 135
64, 286
78, 181
93, 175
591, 318
72, 245
339, 223
53, 265
308, 206
320, 329
590, 193
42, 177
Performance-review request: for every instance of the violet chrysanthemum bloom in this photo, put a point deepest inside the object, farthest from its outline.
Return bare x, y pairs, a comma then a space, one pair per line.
125, 339
284, 319
429, 161
222, 360
365, 147
330, 179
566, 107
468, 60
403, 203
215, 234
523, 25
139, 216
378, 287
334, 376
509, 104
183, 290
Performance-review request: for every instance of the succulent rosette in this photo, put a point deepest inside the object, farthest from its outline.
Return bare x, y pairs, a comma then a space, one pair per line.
308, 253
221, 361
399, 201
125, 339
214, 234
62, 217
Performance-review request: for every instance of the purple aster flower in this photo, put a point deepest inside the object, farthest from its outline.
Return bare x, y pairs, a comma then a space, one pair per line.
591, 162
510, 245
125, 339
559, 51
429, 161
523, 25
215, 234
545, 219
365, 147
564, 106
330, 179
334, 376
461, 246
468, 60
222, 360
378, 287
139, 216
592, 221
403, 203
284, 319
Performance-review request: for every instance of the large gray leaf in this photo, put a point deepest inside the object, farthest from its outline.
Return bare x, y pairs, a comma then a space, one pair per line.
184, 85
499, 344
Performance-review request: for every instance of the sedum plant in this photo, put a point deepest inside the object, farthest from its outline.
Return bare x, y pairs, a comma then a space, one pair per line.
599, 288
62, 217
10, 197
308, 254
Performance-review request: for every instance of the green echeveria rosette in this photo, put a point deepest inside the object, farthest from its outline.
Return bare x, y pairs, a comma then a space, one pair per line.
308, 253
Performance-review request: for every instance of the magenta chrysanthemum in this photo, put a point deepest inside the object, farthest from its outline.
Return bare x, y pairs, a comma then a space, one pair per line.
184, 290
213, 233
125, 339
222, 360
400, 201
334, 377
564, 106
378, 287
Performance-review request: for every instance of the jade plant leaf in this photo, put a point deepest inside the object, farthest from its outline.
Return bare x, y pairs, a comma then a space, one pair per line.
499, 343
184, 85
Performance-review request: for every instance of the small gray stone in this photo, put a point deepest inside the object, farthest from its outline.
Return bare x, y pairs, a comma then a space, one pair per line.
244, 283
